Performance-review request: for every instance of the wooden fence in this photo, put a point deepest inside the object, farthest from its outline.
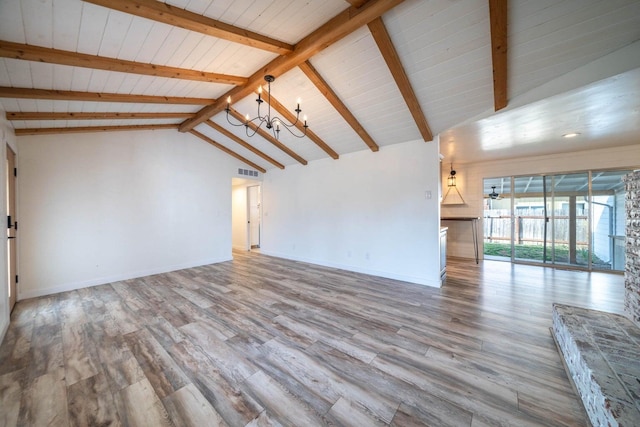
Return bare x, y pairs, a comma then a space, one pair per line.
530, 229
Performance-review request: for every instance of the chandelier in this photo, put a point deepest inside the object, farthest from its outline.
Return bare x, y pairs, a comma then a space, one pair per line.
273, 123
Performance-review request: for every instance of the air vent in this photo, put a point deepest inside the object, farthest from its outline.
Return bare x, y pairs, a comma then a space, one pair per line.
247, 172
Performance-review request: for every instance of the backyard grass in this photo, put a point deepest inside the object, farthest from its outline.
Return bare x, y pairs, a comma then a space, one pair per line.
535, 253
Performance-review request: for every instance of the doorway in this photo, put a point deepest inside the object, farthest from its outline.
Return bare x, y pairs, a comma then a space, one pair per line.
12, 227
246, 214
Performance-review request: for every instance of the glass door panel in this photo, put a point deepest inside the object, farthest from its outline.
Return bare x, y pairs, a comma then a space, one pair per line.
497, 218
529, 212
568, 209
608, 220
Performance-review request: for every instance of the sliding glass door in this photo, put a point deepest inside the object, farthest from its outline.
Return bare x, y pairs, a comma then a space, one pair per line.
571, 219
568, 209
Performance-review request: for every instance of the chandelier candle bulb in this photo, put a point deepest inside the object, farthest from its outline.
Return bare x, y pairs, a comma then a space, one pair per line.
259, 100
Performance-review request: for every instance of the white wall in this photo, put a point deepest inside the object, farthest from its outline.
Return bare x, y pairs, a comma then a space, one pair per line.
470, 177
100, 207
366, 212
7, 137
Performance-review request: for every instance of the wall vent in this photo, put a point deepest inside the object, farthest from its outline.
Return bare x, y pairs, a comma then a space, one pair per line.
247, 172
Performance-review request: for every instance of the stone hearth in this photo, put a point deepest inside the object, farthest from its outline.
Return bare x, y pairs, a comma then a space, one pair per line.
601, 349
601, 354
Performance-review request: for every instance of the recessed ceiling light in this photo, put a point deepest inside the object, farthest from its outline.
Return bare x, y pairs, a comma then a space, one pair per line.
571, 135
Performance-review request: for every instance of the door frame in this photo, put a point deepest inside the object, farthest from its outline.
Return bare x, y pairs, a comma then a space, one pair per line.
12, 227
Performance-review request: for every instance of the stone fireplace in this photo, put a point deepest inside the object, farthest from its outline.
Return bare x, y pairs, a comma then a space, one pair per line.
632, 248
601, 350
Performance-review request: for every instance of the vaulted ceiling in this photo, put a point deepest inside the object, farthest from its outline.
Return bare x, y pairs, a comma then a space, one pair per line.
369, 73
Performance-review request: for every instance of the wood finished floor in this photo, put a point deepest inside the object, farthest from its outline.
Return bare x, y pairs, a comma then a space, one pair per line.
261, 341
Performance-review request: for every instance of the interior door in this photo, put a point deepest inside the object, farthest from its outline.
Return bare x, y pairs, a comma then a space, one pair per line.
12, 227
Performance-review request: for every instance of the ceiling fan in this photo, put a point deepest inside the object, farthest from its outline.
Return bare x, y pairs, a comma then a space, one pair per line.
493, 195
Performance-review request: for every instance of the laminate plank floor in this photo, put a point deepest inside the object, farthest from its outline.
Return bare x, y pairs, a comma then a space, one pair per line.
261, 341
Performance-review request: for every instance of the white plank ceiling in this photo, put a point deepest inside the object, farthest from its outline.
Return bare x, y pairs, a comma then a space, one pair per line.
443, 45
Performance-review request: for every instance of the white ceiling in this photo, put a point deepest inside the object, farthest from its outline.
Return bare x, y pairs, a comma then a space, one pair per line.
574, 65
605, 113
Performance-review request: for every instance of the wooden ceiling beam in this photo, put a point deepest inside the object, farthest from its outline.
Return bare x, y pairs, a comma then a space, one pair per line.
67, 95
243, 143
14, 115
165, 13
337, 103
226, 150
88, 129
266, 135
356, 3
333, 30
287, 115
498, 19
390, 55
74, 59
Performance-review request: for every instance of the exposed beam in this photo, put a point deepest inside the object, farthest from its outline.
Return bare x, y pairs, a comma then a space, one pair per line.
337, 103
67, 95
498, 18
356, 3
163, 12
74, 59
287, 115
13, 115
333, 30
266, 135
243, 143
88, 129
388, 51
226, 150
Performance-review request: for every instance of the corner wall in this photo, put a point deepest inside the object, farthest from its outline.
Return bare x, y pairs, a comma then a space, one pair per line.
366, 212
101, 207
470, 177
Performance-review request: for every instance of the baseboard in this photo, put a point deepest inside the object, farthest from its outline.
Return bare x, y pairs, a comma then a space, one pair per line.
356, 269
115, 278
